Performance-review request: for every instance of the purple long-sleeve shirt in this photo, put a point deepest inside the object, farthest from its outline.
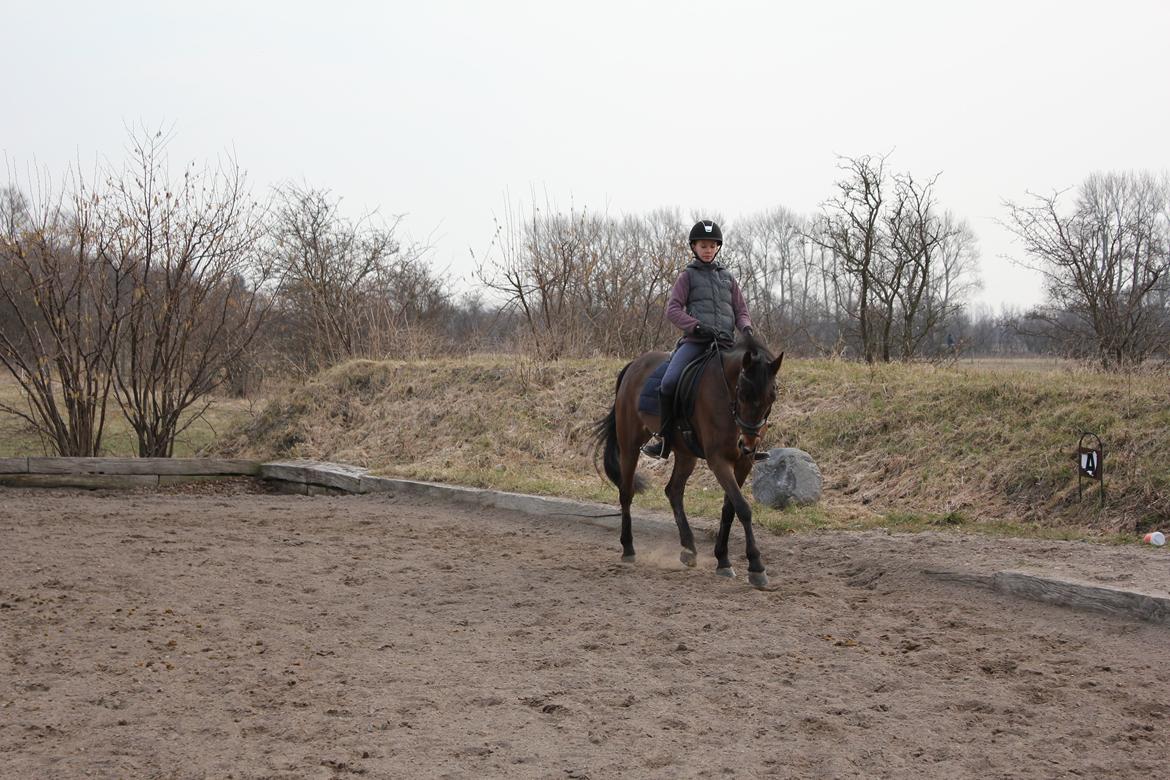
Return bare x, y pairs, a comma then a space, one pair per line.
676, 307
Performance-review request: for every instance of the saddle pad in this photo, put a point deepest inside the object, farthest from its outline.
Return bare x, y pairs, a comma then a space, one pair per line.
648, 400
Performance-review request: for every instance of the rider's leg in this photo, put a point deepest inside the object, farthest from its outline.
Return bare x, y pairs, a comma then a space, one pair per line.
685, 353
659, 447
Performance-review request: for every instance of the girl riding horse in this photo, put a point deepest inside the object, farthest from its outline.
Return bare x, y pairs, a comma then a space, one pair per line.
733, 398
706, 305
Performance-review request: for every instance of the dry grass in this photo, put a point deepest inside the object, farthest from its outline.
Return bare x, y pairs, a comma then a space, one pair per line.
906, 446
18, 438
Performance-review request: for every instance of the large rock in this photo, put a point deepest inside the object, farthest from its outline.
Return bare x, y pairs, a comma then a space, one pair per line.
788, 476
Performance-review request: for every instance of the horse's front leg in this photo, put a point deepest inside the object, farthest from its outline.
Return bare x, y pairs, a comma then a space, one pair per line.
731, 476
684, 465
757, 573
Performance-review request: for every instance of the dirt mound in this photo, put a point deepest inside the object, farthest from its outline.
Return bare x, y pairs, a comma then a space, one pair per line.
899, 445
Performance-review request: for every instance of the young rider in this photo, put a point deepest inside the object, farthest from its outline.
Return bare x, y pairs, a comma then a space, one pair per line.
706, 305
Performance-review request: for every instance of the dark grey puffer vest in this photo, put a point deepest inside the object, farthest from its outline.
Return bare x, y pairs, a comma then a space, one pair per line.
709, 300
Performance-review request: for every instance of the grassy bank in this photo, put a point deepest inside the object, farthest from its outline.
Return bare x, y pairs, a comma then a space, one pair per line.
907, 446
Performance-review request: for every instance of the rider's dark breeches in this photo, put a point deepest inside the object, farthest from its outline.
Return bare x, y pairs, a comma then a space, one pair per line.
685, 353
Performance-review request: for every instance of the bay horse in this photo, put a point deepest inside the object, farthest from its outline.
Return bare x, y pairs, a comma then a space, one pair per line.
733, 398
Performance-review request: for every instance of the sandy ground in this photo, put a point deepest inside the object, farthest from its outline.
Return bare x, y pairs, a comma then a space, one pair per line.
227, 634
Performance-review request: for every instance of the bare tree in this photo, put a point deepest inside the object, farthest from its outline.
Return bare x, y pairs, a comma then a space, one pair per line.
584, 283
636, 260
191, 249
351, 289
766, 252
59, 287
836, 294
1104, 264
900, 266
879, 270
931, 263
851, 228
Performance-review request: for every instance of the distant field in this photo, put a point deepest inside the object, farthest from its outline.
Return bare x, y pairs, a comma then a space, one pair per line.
17, 438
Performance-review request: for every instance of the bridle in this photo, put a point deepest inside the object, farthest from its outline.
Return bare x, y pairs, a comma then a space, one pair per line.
751, 429
745, 427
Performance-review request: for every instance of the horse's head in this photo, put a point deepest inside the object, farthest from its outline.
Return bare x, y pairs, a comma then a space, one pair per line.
755, 392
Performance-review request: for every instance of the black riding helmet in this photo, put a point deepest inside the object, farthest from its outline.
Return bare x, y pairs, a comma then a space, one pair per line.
706, 229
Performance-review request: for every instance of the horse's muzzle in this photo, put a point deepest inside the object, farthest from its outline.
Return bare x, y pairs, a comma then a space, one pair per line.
748, 444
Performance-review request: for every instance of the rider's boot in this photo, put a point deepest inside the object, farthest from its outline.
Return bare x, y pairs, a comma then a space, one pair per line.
660, 447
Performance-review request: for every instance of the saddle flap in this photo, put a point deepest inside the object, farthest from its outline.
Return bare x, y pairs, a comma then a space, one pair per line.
688, 384
685, 397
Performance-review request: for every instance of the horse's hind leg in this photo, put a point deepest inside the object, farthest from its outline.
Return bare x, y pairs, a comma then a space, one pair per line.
684, 465
722, 562
629, 464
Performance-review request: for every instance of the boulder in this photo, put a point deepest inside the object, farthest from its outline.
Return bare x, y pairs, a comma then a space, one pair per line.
788, 476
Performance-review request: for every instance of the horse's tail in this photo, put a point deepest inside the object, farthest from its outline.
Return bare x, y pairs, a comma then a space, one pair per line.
605, 437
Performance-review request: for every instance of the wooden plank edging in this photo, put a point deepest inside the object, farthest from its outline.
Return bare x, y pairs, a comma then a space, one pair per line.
87, 481
13, 465
1066, 593
231, 467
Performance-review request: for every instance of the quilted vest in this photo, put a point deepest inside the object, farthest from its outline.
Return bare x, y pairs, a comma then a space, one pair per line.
709, 300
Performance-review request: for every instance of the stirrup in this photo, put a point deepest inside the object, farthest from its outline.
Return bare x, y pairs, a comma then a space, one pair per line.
653, 448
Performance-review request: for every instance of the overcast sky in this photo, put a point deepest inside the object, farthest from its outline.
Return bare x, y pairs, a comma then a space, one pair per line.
444, 110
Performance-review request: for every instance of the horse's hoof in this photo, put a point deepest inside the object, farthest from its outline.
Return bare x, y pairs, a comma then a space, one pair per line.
628, 558
725, 571
687, 557
758, 579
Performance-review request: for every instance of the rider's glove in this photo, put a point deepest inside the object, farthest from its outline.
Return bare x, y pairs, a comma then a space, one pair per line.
704, 332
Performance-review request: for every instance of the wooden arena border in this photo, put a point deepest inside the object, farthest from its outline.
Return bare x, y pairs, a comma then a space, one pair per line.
309, 477
306, 477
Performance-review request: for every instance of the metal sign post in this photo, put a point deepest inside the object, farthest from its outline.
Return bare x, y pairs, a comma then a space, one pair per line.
1090, 464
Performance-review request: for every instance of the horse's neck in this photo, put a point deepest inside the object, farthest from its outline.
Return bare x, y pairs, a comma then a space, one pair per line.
732, 364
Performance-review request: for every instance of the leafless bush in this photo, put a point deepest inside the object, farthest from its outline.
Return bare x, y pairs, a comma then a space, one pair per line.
190, 247
59, 288
584, 283
351, 288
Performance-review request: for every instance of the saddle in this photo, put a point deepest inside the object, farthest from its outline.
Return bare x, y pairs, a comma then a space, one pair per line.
684, 397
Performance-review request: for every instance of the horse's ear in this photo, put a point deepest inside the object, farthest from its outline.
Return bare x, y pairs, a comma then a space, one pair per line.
748, 358
774, 367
